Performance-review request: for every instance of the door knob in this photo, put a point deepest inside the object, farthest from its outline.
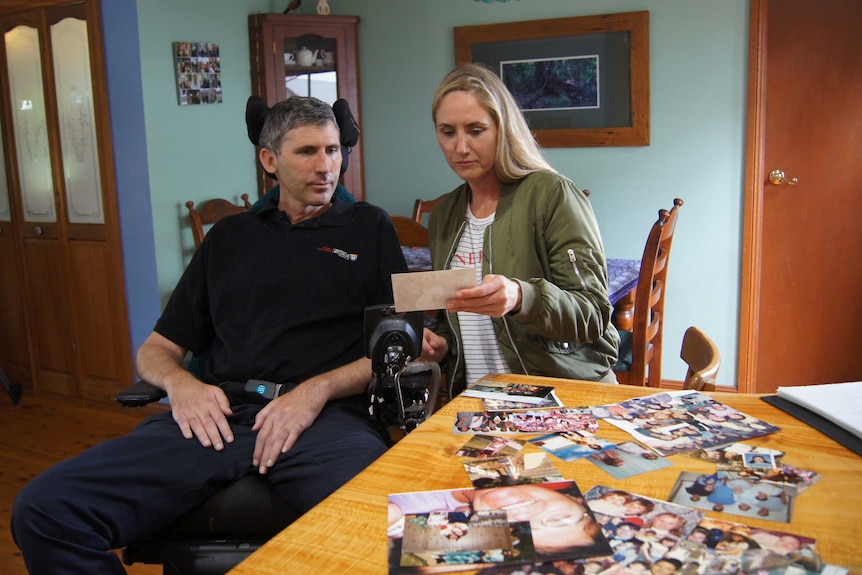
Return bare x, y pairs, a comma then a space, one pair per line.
777, 177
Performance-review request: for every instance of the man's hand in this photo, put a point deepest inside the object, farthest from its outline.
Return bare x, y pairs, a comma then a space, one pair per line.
496, 296
199, 410
282, 421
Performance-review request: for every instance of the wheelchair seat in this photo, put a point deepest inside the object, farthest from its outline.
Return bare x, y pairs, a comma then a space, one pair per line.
214, 537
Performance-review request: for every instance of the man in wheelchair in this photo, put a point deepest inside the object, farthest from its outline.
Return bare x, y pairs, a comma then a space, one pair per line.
277, 297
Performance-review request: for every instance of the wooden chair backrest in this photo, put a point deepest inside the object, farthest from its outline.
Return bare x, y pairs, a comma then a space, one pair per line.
410, 233
703, 359
422, 207
210, 212
648, 320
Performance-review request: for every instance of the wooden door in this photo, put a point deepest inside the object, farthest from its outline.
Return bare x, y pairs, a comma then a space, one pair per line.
802, 312
33, 195
62, 202
14, 345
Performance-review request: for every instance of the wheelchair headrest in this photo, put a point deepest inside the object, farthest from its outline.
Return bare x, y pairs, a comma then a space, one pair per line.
256, 111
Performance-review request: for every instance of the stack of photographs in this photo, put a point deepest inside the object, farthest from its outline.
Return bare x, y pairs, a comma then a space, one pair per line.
528, 421
652, 537
627, 459
511, 470
682, 421
505, 391
760, 464
551, 400
461, 529
572, 445
522, 517
730, 492
480, 446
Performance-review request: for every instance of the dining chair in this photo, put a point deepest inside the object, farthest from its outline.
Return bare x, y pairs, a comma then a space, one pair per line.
640, 349
411, 234
422, 207
703, 359
210, 212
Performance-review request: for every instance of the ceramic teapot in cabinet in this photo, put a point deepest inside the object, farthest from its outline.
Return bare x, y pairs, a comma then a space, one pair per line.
305, 57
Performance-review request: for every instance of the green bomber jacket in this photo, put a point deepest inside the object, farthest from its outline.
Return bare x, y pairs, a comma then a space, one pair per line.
545, 236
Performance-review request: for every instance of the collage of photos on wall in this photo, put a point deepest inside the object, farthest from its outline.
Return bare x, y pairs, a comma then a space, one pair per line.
198, 68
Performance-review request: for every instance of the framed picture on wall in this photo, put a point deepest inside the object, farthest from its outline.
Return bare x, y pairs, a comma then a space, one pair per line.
580, 81
198, 70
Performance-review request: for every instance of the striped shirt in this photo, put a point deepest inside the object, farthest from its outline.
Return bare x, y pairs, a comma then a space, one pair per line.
482, 354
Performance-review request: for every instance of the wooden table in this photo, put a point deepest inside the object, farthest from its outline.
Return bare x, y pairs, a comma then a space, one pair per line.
346, 533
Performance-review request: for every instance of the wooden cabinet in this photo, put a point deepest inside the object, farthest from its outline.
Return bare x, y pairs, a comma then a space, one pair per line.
281, 66
63, 318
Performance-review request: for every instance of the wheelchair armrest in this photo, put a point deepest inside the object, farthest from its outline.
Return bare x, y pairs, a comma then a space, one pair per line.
138, 394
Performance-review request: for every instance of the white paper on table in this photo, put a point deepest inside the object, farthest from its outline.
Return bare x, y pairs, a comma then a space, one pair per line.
421, 291
840, 403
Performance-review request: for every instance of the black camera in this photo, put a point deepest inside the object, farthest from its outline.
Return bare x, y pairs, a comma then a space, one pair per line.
402, 392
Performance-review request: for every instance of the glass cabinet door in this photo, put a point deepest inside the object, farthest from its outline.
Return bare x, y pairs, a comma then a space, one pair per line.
310, 67
73, 86
312, 61
5, 207
30, 124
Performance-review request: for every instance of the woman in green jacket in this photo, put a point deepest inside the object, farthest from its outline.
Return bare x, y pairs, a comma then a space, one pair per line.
541, 303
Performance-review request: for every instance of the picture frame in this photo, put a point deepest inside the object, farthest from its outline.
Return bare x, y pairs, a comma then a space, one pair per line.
594, 72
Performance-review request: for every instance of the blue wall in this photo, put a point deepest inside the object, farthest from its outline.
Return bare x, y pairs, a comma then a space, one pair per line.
125, 98
698, 56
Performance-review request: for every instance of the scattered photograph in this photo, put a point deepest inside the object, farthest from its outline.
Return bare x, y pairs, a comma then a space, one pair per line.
792, 479
615, 506
732, 492
480, 446
545, 522
627, 459
720, 547
571, 445
714, 547
441, 539
678, 422
507, 391
641, 531
760, 461
729, 457
781, 552
526, 421
511, 470
500, 404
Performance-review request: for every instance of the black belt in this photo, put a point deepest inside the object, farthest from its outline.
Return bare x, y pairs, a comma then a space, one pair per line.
254, 391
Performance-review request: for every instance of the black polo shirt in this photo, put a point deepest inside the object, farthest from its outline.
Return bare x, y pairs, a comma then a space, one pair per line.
282, 302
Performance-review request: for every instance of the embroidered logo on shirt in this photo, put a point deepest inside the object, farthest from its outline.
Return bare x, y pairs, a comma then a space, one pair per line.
339, 253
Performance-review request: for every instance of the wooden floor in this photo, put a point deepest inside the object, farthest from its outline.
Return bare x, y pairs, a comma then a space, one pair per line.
47, 429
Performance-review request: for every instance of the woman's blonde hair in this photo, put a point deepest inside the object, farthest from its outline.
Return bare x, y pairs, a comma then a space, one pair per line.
518, 153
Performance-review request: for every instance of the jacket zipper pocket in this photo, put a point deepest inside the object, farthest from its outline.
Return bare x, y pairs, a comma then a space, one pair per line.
574, 261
